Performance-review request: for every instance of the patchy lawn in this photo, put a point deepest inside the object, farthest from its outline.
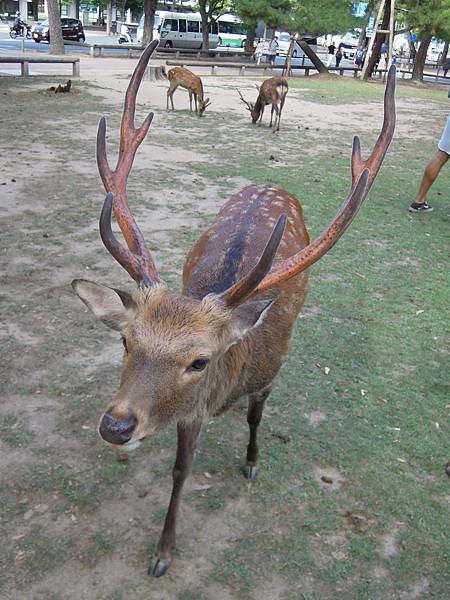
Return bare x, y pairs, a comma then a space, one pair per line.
352, 500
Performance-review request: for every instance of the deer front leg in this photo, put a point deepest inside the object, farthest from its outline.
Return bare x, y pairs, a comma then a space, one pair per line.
261, 115
255, 410
187, 438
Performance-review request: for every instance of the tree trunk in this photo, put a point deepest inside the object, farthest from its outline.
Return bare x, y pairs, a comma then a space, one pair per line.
35, 9
54, 25
108, 18
375, 56
205, 32
149, 12
312, 56
421, 56
249, 40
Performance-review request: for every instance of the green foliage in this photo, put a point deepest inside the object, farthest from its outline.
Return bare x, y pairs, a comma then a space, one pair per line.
314, 16
428, 17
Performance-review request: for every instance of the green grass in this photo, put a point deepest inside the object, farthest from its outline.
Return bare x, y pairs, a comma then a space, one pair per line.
375, 316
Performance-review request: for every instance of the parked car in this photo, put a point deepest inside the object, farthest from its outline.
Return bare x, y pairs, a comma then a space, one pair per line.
284, 40
72, 29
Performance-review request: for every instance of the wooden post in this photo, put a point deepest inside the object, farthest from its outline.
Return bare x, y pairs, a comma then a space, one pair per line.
372, 39
391, 34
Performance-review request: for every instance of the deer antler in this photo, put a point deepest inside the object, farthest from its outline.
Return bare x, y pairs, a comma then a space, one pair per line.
363, 175
244, 100
136, 259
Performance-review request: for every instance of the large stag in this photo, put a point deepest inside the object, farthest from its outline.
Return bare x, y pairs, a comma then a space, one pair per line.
190, 355
272, 91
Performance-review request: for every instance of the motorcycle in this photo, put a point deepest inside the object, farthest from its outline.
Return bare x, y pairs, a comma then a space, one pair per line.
125, 38
23, 30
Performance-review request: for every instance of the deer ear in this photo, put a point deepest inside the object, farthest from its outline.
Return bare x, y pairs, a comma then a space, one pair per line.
248, 316
112, 307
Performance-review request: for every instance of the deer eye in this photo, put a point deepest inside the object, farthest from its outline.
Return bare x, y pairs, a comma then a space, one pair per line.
124, 342
199, 364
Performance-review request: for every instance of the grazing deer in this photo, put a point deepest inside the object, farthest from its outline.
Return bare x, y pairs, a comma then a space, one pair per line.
189, 356
181, 77
272, 91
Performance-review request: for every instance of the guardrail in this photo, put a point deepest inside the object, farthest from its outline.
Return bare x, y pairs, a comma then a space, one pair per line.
252, 66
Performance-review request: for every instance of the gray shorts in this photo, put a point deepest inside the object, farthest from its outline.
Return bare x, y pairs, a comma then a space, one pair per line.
444, 142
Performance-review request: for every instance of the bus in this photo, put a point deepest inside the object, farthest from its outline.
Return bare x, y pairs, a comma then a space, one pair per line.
179, 30
231, 31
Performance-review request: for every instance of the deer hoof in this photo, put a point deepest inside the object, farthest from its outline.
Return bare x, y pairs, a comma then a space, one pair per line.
250, 472
158, 566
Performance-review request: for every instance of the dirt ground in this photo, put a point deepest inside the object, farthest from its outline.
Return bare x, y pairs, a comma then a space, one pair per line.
76, 523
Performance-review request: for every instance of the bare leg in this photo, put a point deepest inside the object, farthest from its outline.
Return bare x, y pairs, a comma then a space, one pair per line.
431, 172
187, 438
255, 409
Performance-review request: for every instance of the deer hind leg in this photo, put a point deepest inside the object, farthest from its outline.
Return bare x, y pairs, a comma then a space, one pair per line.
255, 410
187, 439
283, 98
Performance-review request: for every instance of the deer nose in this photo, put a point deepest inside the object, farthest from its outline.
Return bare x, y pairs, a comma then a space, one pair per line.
117, 431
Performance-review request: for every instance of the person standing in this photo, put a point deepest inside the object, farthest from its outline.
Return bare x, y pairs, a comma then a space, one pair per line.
432, 170
331, 51
338, 55
273, 49
359, 56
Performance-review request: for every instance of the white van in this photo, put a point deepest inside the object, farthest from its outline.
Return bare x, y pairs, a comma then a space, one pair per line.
179, 30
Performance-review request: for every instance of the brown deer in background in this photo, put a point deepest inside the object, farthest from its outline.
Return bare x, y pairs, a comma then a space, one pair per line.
272, 91
181, 77
190, 355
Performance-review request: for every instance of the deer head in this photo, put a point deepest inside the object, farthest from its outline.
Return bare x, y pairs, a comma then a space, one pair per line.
179, 350
203, 105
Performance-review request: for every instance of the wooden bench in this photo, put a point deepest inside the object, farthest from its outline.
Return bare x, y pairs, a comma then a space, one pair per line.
25, 62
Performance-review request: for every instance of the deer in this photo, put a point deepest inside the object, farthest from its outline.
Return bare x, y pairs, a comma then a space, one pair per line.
182, 77
272, 91
190, 355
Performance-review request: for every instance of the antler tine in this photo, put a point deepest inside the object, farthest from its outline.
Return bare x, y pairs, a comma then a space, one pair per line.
361, 184
138, 262
374, 161
243, 99
237, 293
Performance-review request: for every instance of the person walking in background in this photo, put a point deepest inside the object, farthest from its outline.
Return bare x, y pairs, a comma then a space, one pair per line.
432, 170
338, 55
446, 66
383, 56
331, 51
359, 56
273, 49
